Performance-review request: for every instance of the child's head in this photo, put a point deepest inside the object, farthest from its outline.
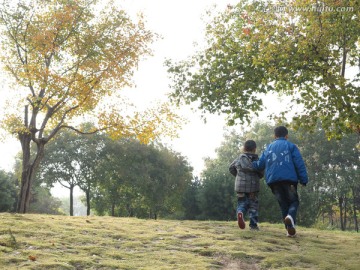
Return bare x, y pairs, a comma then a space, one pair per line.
250, 146
281, 132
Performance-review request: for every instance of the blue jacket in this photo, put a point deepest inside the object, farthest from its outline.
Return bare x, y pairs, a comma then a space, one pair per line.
282, 161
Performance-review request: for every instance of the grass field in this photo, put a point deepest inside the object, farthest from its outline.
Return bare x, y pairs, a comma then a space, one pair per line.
61, 242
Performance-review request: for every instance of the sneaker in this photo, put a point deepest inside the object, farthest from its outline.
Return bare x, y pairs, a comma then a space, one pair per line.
290, 226
254, 228
240, 220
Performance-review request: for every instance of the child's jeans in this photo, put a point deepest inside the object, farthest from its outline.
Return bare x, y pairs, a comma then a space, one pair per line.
248, 202
287, 197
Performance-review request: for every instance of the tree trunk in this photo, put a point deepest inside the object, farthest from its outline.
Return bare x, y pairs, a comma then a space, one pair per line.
356, 225
345, 213
71, 200
29, 166
25, 186
28, 171
24, 196
343, 64
87, 202
341, 200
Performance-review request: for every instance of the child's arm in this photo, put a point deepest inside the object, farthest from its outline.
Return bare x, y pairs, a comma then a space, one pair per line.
232, 168
260, 164
246, 165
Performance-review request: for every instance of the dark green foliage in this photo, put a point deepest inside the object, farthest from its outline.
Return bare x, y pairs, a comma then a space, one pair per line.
190, 200
71, 159
216, 200
140, 180
43, 203
334, 179
8, 193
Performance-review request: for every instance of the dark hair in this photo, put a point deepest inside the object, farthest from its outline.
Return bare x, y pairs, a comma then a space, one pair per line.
249, 146
280, 131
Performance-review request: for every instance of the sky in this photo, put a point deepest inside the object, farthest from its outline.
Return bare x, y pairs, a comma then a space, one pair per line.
181, 23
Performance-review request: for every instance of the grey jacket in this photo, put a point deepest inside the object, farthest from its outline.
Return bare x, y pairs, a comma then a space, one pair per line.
247, 178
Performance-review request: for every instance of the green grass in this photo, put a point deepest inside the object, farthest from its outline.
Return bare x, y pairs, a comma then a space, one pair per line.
60, 242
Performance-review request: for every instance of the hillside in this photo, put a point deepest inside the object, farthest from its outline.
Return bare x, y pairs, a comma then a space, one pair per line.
61, 242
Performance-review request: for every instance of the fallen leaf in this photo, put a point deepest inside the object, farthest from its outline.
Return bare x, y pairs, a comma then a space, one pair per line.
32, 258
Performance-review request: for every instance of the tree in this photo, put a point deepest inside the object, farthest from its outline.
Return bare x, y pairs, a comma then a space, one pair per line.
140, 180
60, 164
216, 199
7, 191
88, 157
302, 51
332, 167
71, 160
66, 61
170, 174
120, 172
190, 201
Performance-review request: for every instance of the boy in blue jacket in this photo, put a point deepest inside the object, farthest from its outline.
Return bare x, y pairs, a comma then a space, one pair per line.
284, 169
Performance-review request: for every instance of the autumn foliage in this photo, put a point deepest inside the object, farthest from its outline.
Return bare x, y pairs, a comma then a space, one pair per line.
306, 50
67, 57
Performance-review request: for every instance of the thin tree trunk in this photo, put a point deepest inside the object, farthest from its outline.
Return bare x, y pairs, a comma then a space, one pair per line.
87, 202
341, 207
343, 66
345, 213
71, 200
356, 225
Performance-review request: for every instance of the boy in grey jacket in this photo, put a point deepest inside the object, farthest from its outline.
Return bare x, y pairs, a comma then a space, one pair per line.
247, 185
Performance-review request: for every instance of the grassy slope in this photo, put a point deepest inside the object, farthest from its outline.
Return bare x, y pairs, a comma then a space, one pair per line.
58, 242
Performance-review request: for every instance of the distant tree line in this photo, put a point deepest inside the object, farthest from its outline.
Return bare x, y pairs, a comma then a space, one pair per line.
118, 177
126, 178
